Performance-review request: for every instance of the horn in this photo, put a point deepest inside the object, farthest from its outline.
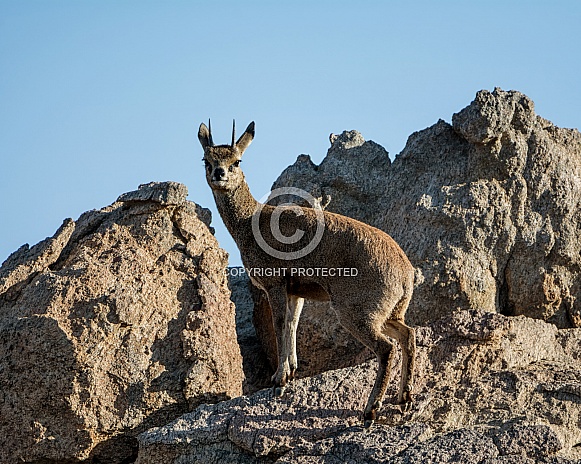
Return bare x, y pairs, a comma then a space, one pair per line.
210, 141
233, 132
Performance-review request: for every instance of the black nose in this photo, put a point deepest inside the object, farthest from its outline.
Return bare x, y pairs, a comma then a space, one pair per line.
219, 173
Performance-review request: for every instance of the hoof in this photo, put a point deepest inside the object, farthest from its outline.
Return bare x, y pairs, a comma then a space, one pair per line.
407, 396
405, 399
405, 407
278, 391
369, 419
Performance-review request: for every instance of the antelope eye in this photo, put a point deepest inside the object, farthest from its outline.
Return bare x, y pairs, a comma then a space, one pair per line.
235, 164
207, 164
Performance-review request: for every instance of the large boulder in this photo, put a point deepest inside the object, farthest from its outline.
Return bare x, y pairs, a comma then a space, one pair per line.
490, 216
489, 389
119, 322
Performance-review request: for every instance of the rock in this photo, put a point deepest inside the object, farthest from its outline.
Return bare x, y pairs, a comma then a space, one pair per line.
487, 209
352, 175
490, 389
119, 322
355, 446
26, 262
486, 371
255, 428
257, 371
459, 446
536, 441
164, 193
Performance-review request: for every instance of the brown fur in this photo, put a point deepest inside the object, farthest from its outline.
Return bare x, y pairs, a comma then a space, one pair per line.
370, 305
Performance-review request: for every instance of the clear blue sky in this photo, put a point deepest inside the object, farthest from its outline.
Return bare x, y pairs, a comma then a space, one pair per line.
97, 97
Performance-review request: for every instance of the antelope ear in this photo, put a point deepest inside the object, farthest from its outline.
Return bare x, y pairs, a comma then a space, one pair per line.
204, 136
245, 138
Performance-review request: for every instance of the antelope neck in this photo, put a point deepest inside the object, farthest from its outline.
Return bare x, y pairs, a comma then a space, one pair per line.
236, 208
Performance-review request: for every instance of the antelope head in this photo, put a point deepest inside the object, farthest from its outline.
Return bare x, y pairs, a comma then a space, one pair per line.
222, 162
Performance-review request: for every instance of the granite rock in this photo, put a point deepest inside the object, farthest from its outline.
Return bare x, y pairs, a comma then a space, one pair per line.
490, 389
119, 322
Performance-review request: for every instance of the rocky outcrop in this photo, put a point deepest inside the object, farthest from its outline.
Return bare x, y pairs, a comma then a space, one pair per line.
119, 322
490, 389
486, 208
122, 320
